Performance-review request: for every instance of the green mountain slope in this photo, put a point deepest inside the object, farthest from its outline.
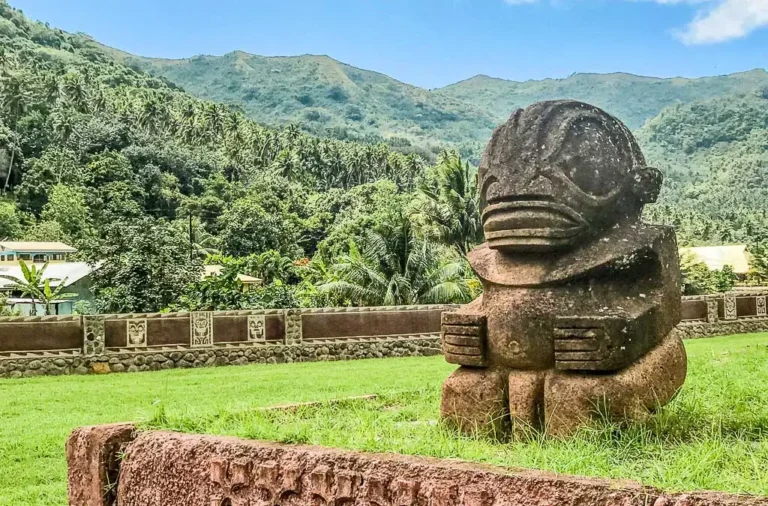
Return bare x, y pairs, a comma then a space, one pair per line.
708, 135
324, 96
714, 154
631, 98
330, 97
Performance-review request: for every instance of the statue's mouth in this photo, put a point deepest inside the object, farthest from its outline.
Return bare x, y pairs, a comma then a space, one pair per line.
512, 223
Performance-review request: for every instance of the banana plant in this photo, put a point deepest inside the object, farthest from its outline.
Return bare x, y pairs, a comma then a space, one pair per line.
50, 294
38, 288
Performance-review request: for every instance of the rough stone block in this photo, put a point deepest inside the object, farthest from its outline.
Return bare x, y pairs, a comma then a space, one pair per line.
169, 469
93, 463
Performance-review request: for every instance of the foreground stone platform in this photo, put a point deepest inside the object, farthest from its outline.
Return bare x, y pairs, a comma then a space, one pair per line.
115, 464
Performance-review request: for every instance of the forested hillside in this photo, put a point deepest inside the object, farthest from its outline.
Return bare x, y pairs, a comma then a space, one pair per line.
331, 98
633, 99
326, 97
149, 182
714, 154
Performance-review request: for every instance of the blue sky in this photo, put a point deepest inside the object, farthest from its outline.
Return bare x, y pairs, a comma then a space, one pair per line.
433, 43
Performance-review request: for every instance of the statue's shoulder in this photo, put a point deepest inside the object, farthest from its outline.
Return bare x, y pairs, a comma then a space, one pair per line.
627, 246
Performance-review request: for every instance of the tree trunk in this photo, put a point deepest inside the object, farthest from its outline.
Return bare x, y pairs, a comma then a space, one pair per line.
8, 176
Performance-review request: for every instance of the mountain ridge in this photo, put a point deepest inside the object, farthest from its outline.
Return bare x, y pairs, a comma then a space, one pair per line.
759, 70
329, 97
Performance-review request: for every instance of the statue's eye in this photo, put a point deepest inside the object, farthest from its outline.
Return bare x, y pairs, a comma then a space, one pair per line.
596, 161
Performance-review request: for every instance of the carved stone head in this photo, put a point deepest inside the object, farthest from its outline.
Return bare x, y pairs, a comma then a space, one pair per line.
558, 174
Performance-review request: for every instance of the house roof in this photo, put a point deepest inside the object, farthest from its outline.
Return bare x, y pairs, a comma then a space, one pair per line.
36, 247
215, 270
71, 271
717, 257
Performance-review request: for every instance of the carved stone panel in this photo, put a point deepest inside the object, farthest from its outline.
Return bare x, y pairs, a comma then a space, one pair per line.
729, 312
201, 328
136, 332
712, 316
170, 469
257, 328
293, 327
93, 335
761, 306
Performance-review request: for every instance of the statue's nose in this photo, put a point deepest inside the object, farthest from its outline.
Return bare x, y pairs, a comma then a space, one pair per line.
531, 185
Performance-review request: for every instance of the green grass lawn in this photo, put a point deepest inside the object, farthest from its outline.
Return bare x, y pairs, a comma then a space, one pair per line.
713, 436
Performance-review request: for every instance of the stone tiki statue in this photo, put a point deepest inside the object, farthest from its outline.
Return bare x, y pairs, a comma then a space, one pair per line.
580, 297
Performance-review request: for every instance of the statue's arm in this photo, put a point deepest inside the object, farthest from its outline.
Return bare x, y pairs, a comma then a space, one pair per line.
616, 338
606, 342
463, 335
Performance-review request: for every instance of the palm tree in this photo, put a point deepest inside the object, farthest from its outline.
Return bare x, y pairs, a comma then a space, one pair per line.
447, 209
214, 118
12, 145
14, 96
75, 90
202, 244
398, 270
63, 122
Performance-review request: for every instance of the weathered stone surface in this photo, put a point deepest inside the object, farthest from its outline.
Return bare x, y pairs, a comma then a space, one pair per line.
476, 400
100, 367
569, 398
93, 463
721, 328
573, 280
180, 470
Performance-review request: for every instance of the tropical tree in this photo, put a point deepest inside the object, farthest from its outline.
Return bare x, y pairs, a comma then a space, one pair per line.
446, 209
144, 266
698, 279
48, 294
30, 285
398, 270
37, 287
75, 90
15, 95
758, 269
11, 140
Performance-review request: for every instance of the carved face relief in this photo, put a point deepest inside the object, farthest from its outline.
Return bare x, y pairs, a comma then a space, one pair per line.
137, 332
256, 326
202, 328
557, 173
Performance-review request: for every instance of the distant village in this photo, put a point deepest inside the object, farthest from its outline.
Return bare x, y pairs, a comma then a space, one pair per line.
75, 276
60, 271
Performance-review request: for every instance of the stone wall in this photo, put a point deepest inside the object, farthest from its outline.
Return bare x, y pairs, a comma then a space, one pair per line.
724, 314
699, 330
155, 341
161, 359
181, 469
52, 345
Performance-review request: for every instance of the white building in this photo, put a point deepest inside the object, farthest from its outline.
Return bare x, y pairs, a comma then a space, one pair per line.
75, 275
717, 257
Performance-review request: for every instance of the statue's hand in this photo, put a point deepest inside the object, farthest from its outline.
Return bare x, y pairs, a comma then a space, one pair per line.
592, 343
463, 337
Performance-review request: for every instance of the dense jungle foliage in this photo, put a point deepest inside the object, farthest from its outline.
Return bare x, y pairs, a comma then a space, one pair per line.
150, 183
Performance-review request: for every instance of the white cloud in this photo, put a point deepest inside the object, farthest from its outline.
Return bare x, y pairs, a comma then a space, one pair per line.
724, 20
716, 20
